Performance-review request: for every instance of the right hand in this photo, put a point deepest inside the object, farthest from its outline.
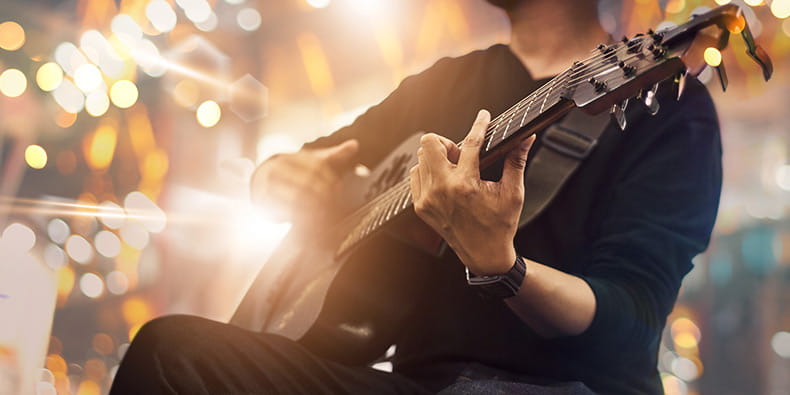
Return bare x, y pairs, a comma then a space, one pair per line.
297, 186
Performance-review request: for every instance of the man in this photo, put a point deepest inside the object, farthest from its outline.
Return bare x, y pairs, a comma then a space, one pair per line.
603, 263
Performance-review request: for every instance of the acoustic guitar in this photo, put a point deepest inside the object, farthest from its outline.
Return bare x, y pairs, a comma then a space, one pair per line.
318, 286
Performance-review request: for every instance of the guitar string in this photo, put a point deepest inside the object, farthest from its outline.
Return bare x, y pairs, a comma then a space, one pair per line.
397, 190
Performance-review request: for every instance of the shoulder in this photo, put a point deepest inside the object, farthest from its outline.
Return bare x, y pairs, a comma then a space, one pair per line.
451, 65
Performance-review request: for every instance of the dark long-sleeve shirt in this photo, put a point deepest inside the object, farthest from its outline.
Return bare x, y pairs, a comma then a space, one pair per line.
628, 222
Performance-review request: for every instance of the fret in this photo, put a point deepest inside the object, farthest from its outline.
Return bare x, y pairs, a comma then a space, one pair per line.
504, 134
548, 93
524, 118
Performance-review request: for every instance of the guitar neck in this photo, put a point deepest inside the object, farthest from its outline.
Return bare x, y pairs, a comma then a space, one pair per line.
531, 114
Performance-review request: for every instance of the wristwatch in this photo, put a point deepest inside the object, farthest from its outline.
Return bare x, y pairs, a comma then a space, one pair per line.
500, 286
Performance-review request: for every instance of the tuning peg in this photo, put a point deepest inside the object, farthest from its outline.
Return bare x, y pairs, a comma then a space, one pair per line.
722, 73
618, 113
680, 84
648, 98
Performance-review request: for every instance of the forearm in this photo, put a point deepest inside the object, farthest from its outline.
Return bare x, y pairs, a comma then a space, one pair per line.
553, 303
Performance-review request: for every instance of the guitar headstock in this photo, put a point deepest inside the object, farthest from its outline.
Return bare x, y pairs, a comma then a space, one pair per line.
634, 67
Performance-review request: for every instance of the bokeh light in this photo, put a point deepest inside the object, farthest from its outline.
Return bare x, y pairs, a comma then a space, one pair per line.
111, 215
101, 146
12, 36
49, 76
54, 256
249, 19
123, 93
135, 234
91, 285
58, 230
97, 103
186, 93
117, 283
107, 244
17, 238
13, 83
69, 97
161, 15
712, 57
87, 77
145, 211
780, 8
754, 3
208, 113
79, 249
35, 156
780, 342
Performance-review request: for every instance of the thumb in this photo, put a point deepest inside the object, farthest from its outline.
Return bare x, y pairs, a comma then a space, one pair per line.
515, 162
342, 155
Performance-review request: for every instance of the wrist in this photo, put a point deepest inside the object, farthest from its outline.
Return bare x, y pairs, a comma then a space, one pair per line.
496, 264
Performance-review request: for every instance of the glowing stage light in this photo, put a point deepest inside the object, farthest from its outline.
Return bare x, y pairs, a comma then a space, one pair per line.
208, 113
35, 156
97, 103
123, 93
69, 97
12, 36
13, 83
49, 76
161, 15
249, 19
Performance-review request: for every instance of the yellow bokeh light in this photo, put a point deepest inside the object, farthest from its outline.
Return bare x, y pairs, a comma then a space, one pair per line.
88, 387
123, 93
35, 156
49, 76
685, 340
135, 311
65, 119
712, 57
101, 146
754, 3
208, 113
12, 36
13, 83
55, 363
722, 2
65, 283
780, 8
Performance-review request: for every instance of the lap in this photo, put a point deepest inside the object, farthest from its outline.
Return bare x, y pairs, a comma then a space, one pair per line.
184, 354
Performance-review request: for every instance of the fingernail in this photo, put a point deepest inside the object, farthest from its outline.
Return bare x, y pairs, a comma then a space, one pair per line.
482, 113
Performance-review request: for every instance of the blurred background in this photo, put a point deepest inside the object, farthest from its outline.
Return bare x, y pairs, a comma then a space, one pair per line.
129, 129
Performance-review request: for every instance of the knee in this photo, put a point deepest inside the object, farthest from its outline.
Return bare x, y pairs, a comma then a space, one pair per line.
164, 331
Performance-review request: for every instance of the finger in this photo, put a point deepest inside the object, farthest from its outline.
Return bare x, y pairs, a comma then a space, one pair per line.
342, 156
515, 163
423, 170
453, 152
414, 183
469, 159
435, 153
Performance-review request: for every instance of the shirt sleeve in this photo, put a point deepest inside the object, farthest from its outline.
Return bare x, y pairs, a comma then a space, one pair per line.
659, 216
402, 113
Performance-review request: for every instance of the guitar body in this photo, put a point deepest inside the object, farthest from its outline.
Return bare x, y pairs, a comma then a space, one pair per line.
307, 291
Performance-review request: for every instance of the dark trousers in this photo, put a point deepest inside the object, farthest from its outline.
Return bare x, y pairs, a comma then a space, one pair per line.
191, 355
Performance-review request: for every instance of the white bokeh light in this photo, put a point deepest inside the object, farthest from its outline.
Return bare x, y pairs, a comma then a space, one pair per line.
117, 283
58, 230
107, 244
17, 238
161, 15
91, 285
249, 19
79, 249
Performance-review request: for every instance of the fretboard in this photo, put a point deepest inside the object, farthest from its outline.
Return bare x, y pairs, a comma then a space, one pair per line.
516, 120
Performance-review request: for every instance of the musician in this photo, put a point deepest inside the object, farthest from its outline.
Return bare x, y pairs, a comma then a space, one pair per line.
598, 271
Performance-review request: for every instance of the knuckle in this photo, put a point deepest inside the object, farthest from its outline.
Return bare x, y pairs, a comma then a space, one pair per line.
518, 162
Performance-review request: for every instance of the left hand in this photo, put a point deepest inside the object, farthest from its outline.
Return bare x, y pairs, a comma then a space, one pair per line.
478, 219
